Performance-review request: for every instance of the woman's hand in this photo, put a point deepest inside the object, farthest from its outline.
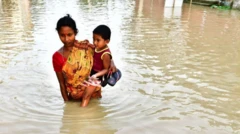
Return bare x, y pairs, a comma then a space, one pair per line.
83, 44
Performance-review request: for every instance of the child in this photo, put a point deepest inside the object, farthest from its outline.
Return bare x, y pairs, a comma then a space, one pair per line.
102, 54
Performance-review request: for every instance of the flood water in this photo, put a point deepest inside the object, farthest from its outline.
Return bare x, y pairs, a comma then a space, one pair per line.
181, 68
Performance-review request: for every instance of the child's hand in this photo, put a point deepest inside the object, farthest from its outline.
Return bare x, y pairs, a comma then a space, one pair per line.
94, 77
91, 82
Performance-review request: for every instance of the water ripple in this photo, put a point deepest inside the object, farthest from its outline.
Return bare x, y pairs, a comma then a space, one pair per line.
180, 68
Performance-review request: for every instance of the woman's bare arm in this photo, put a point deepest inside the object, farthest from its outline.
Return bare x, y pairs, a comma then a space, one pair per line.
62, 86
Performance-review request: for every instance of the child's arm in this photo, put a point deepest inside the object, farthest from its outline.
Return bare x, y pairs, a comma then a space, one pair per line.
106, 65
112, 67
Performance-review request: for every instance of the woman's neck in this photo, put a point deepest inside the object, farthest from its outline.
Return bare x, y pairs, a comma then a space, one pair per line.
67, 48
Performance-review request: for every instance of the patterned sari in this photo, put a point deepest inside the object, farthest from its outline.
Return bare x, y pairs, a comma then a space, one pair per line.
76, 70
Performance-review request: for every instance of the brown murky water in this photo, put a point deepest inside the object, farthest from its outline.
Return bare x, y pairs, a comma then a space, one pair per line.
181, 68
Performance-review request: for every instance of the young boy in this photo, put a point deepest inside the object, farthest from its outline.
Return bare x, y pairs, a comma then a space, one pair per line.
102, 54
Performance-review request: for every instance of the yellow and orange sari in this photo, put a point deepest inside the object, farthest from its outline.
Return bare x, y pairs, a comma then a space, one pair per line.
77, 70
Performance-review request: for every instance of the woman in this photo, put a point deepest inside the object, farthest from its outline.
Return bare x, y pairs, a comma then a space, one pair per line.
73, 65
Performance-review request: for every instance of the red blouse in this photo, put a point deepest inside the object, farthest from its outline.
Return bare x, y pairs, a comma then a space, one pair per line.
58, 61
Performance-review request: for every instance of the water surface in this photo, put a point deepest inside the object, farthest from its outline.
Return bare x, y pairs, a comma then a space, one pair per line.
181, 68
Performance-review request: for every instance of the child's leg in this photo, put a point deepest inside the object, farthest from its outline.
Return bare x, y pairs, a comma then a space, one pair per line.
87, 95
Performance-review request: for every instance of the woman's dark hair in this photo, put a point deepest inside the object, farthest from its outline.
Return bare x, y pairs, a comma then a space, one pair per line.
103, 31
67, 21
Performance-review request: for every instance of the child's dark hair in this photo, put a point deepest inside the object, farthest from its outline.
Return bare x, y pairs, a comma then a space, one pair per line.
67, 21
103, 31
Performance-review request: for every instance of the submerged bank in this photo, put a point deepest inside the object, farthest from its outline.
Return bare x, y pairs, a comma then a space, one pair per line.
233, 4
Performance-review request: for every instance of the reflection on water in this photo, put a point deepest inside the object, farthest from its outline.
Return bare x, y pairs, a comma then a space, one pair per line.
15, 29
76, 120
180, 68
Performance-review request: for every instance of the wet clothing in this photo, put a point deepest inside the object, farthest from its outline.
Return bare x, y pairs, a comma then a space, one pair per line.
76, 69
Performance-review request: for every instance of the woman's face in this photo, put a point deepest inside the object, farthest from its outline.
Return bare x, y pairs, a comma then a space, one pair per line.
67, 35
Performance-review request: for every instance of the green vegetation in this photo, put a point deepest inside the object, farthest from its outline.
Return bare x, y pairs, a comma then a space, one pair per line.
221, 7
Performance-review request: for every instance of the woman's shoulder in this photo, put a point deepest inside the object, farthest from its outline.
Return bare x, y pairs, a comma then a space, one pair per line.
57, 54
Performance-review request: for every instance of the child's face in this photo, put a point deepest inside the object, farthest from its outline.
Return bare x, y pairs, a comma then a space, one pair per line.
67, 35
99, 42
